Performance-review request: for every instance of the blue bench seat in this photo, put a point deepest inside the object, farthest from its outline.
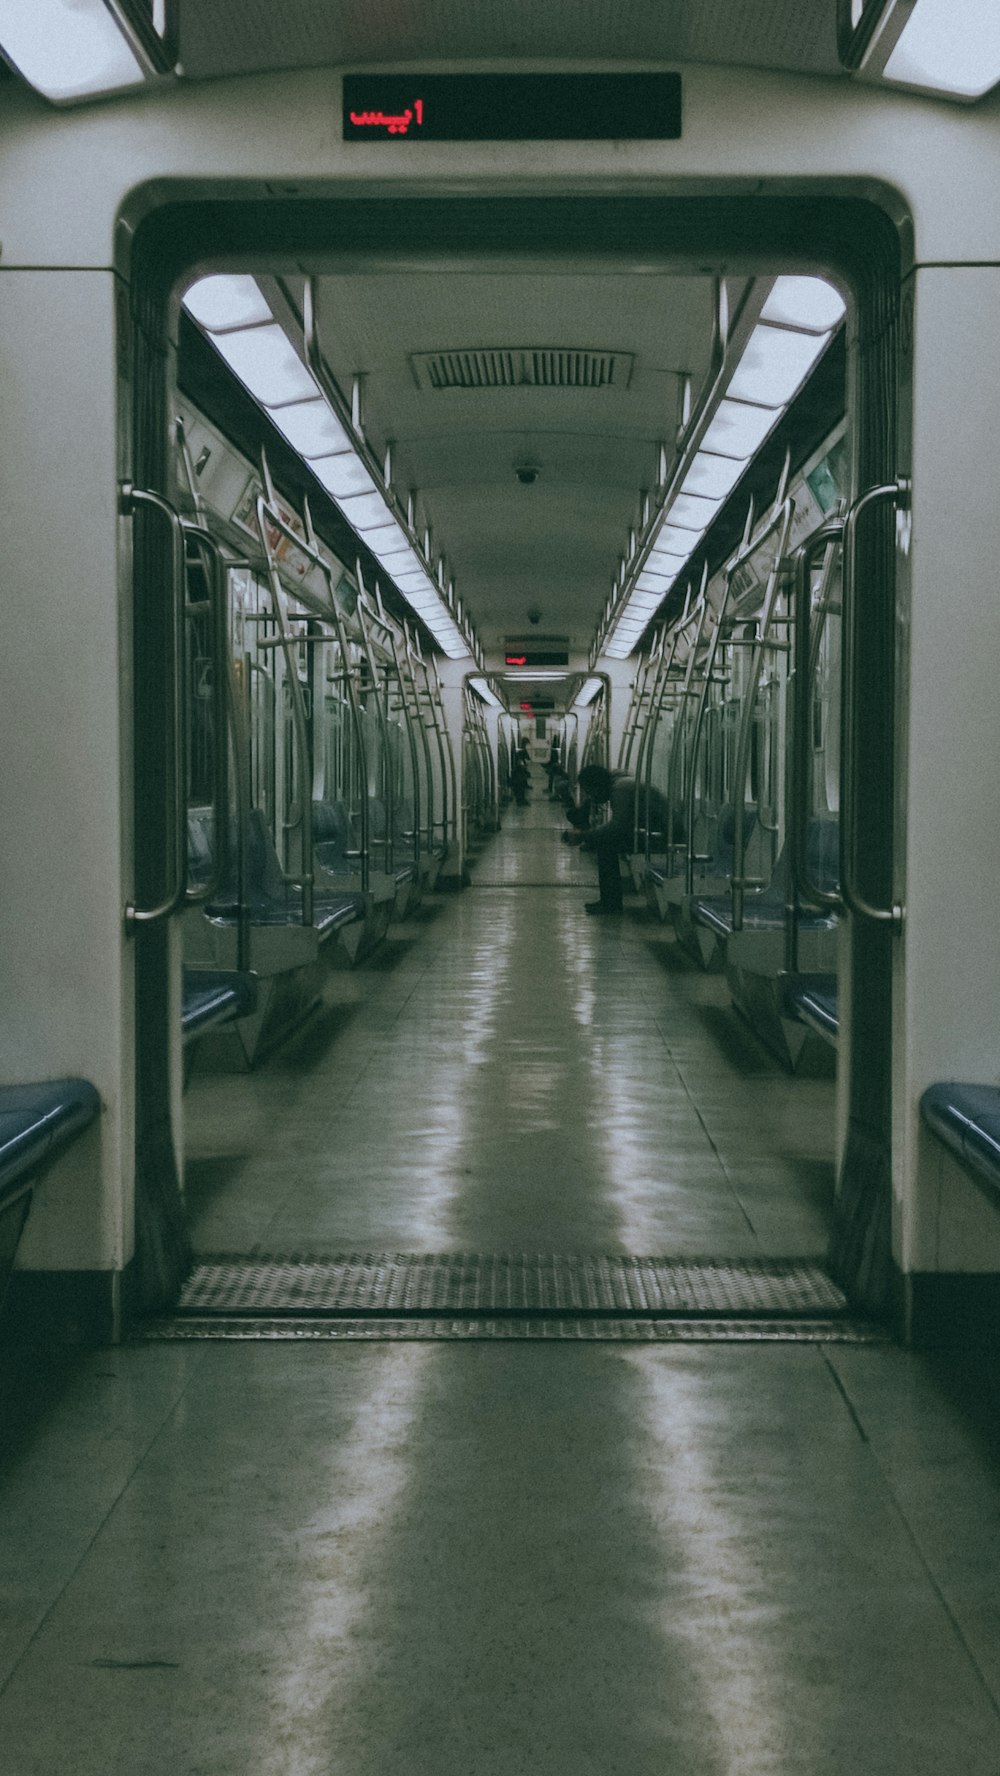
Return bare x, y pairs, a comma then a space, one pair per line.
764, 909
715, 912
966, 1119
36, 1121
212, 996
269, 899
812, 999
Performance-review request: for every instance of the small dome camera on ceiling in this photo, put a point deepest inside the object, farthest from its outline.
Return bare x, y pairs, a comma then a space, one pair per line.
527, 473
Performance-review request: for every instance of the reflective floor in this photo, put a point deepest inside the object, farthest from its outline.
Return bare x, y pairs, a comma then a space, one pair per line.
493, 1559
511, 1074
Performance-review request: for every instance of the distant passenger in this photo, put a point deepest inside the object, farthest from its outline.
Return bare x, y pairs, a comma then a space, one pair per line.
615, 838
520, 776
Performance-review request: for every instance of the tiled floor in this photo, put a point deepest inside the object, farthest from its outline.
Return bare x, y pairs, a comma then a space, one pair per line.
494, 1559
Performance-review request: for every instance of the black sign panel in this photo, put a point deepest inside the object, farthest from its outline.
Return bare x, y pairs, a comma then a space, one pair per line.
545, 658
511, 107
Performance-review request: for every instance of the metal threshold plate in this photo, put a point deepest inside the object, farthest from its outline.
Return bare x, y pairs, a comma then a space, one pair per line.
579, 1329
500, 1284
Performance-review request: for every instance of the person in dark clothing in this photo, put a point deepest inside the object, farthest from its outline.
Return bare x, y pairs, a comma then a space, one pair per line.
615, 837
520, 776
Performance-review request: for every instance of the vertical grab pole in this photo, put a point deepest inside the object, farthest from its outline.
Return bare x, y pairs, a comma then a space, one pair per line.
894, 493
364, 610
805, 644
130, 500
267, 514
219, 618
780, 522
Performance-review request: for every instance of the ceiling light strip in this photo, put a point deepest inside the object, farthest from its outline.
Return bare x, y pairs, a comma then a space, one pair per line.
303, 406
69, 49
368, 512
744, 402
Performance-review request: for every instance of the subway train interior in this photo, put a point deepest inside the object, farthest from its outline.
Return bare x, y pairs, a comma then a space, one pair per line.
499, 1035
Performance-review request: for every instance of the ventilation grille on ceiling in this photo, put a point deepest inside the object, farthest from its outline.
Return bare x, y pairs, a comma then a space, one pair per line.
528, 366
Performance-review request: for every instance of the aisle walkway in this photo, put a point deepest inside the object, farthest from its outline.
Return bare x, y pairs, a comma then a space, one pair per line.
502, 1559
512, 1075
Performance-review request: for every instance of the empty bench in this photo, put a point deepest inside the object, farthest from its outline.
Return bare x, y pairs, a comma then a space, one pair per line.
214, 996
36, 1123
812, 1000
966, 1120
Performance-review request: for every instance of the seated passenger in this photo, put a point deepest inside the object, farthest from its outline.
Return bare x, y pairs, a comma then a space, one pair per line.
615, 838
520, 777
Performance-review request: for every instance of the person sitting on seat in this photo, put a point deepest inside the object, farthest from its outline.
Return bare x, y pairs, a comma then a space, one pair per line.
520, 776
615, 838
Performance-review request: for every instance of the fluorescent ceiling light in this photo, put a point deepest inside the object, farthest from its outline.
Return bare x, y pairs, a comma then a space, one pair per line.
67, 49
385, 540
364, 511
234, 313
774, 366
665, 559
654, 582
313, 429
344, 476
676, 541
690, 512
588, 691
485, 690
223, 301
806, 302
402, 560
948, 47
738, 430
713, 477
536, 676
265, 360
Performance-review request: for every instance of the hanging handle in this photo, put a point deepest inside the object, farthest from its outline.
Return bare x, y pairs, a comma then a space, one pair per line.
132, 499
891, 493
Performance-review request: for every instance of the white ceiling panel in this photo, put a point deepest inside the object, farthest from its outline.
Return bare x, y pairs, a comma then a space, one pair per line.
555, 544
237, 36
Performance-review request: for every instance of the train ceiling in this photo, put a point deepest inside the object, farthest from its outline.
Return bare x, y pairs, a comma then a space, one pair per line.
220, 37
548, 544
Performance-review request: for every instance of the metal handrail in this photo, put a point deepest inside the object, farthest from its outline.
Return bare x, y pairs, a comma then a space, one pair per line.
894, 493
693, 608
130, 499
364, 606
807, 632
218, 580
644, 761
707, 680
411, 715
445, 748
413, 659
697, 614
265, 516
634, 728
779, 523
332, 613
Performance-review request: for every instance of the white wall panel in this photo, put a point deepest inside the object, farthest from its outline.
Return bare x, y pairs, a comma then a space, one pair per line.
63, 178
948, 978
64, 968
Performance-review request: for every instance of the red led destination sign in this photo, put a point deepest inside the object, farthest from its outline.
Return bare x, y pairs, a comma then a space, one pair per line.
511, 107
534, 658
